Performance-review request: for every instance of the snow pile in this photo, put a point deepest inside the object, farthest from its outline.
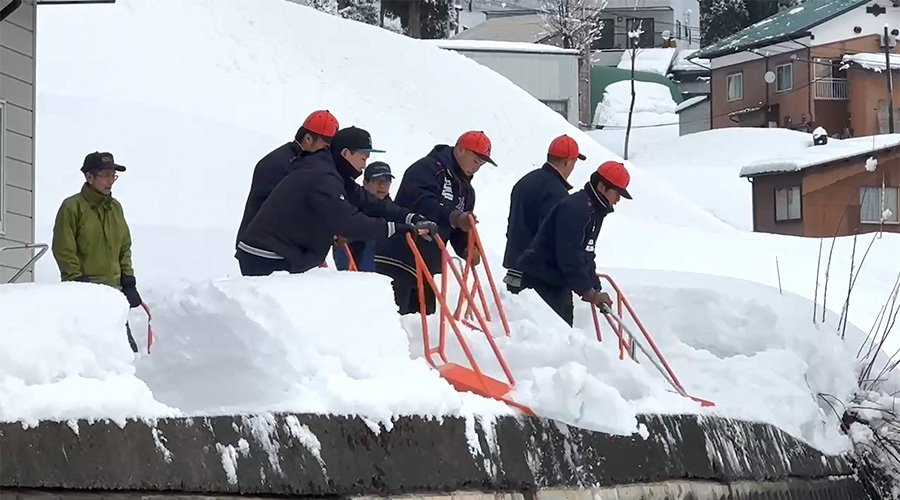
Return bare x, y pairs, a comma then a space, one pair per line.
872, 61
834, 150
65, 355
714, 158
690, 102
653, 108
280, 344
652, 60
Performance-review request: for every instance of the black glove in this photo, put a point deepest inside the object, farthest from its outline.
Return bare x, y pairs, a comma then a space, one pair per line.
129, 288
84, 278
431, 229
598, 298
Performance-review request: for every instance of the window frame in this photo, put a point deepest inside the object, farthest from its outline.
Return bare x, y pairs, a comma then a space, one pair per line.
895, 209
3, 146
563, 102
787, 208
790, 86
728, 79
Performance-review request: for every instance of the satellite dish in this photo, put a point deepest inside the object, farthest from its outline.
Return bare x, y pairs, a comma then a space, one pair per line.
769, 77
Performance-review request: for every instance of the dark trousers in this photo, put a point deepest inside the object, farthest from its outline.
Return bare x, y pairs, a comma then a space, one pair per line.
253, 265
406, 291
559, 299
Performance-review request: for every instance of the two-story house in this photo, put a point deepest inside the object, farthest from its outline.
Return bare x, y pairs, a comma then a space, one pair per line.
813, 65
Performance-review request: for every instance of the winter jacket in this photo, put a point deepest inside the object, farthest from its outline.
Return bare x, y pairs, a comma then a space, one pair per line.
531, 200
561, 255
313, 204
269, 171
433, 186
91, 240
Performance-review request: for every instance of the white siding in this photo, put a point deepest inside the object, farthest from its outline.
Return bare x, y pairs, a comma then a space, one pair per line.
17, 73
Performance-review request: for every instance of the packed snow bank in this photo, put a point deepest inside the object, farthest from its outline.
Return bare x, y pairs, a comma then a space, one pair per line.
281, 344
65, 355
708, 165
654, 119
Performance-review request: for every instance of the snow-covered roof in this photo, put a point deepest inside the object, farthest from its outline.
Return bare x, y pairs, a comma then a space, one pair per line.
500, 46
649, 60
834, 150
681, 62
690, 103
872, 60
528, 28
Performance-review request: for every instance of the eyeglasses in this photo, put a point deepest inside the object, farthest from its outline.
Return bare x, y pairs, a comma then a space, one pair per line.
110, 175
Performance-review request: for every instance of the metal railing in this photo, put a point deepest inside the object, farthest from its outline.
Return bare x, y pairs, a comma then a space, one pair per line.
26, 246
832, 89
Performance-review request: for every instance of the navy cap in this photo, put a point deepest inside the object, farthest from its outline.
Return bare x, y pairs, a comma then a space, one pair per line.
354, 139
377, 169
100, 161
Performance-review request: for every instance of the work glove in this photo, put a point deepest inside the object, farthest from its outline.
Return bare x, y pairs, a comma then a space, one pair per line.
476, 257
129, 288
460, 219
598, 298
430, 228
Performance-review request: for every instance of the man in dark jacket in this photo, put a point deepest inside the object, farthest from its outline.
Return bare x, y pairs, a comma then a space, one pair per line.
377, 178
319, 200
315, 134
439, 187
560, 258
531, 200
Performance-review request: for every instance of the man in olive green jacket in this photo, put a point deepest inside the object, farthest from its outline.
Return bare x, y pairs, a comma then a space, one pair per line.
91, 240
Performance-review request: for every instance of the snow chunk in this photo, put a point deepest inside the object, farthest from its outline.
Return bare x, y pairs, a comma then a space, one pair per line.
819, 132
65, 355
887, 214
652, 60
229, 458
872, 61
871, 164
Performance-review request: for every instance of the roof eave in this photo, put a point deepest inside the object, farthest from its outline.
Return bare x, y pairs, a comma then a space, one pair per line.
736, 50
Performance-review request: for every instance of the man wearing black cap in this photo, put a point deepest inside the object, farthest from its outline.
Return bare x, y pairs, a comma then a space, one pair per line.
561, 257
317, 201
91, 240
377, 180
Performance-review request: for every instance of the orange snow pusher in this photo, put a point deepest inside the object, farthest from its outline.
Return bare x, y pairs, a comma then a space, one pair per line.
462, 378
621, 330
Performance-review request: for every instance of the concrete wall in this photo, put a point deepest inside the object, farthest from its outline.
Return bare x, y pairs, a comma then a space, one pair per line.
17, 72
547, 77
683, 456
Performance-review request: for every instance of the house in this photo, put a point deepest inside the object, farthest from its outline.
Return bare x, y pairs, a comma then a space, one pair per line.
693, 115
17, 98
839, 188
806, 67
548, 73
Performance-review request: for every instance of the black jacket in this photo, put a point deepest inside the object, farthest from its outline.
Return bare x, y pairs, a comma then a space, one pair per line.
561, 255
531, 200
433, 187
269, 171
312, 205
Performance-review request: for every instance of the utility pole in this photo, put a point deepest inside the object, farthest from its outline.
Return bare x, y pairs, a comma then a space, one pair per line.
890, 79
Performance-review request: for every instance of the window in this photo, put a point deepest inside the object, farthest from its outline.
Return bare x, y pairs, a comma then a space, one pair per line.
561, 107
678, 29
877, 203
643, 24
735, 83
784, 77
787, 203
607, 35
2, 167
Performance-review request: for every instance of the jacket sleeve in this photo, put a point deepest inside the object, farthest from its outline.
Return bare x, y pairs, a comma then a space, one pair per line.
339, 217
425, 179
575, 262
125, 252
64, 246
459, 239
370, 205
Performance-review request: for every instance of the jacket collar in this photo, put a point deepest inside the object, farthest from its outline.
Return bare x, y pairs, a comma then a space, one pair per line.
93, 197
599, 202
550, 168
443, 153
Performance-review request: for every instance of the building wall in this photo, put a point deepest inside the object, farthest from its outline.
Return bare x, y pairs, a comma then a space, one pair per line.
764, 204
694, 119
547, 77
843, 27
17, 73
870, 87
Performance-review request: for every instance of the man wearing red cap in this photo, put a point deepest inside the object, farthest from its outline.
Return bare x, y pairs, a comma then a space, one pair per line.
315, 134
439, 187
560, 258
532, 199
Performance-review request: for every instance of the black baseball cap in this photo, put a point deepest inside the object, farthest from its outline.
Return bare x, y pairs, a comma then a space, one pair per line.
100, 161
354, 139
377, 169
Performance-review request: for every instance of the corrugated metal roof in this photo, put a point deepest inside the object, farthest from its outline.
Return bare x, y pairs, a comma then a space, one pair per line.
529, 29
785, 25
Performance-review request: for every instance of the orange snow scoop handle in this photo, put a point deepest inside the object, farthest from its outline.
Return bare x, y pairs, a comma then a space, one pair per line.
146, 309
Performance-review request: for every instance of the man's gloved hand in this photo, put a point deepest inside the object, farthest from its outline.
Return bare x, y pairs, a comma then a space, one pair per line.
426, 228
476, 256
461, 219
129, 288
597, 298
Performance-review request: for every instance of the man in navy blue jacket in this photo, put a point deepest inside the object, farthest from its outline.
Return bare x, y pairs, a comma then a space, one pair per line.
560, 258
377, 179
318, 200
438, 186
315, 134
531, 200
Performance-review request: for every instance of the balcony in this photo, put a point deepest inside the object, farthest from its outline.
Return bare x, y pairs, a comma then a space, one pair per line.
831, 89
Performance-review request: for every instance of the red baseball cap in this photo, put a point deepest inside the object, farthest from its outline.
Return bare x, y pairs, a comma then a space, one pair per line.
321, 122
565, 147
616, 175
477, 142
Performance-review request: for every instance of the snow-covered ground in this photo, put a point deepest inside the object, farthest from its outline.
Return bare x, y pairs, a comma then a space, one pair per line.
197, 109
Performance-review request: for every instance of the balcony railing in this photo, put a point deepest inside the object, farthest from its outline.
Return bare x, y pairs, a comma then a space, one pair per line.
834, 89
